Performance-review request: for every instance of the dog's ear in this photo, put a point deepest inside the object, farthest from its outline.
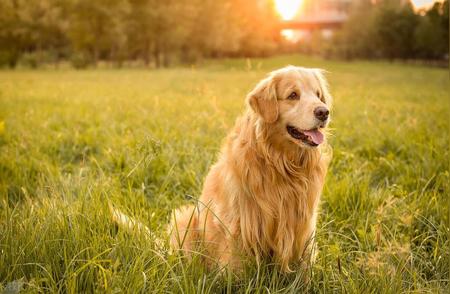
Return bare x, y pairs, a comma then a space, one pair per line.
263, 100
320, 76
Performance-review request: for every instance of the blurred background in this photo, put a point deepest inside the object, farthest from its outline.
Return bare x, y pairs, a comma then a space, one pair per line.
153, 33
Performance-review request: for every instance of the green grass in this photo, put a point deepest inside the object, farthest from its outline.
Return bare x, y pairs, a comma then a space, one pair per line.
70, 141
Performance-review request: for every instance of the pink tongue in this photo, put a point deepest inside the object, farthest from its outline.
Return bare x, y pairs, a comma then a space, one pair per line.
316, 136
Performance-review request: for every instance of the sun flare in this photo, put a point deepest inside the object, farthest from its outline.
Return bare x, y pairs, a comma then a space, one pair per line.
288, 8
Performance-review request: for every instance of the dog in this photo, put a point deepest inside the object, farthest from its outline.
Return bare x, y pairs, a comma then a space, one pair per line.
260, 199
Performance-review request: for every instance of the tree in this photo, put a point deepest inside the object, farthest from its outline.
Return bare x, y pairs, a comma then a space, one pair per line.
30, 27
96, 27
395, 24
356, 39
431, 35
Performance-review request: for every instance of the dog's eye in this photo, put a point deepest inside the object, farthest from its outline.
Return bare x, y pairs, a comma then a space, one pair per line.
318, 94
293, 96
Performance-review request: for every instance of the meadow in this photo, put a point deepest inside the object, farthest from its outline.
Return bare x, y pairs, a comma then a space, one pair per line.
72, 141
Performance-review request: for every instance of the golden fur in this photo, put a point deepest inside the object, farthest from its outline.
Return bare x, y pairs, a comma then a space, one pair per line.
262, 195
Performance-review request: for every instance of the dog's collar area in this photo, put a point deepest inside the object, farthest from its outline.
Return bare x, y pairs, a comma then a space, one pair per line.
299, 135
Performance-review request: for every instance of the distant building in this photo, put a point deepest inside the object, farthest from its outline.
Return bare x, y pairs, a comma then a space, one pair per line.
323, 15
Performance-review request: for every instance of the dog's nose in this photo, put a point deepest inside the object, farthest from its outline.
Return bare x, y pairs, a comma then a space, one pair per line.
321, 113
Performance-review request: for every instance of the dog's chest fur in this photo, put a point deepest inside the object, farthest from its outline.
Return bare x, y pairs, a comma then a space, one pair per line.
273, 200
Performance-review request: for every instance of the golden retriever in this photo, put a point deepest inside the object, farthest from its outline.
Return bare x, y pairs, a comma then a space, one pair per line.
261, 197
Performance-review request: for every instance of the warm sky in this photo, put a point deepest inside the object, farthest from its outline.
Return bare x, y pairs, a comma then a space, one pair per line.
289, 8
422, 3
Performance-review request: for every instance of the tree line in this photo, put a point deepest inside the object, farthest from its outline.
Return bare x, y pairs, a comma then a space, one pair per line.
152, 32
388, 29
158, 33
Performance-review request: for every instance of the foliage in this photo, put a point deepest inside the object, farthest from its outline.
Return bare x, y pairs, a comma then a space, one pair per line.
432, 32
71, 141
156, 32
392, 29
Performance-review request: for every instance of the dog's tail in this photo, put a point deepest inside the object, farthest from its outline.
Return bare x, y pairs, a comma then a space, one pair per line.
133, 226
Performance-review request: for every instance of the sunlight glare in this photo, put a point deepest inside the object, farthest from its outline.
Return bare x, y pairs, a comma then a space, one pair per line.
423, 3
288, 8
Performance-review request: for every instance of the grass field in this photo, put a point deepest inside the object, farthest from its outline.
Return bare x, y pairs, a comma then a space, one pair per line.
70, 141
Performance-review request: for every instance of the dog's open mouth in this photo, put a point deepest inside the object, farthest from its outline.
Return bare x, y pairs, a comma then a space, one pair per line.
311, 137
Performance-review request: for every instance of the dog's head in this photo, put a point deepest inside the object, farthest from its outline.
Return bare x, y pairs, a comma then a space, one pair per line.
295, 103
